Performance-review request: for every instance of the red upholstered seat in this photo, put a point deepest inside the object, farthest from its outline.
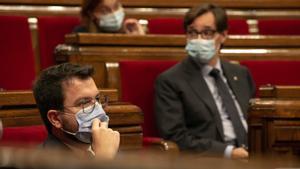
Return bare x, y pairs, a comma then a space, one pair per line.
137, 86
279, 26
238, 27
274, 72
17, 68
175, 26
165, 26
25, 135
51, 30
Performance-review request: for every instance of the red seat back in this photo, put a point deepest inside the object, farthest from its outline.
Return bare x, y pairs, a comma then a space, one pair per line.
274, 72
166, 26
279, 26
238, 27
17, 67
137, 86
25, 135
52, 30
175, 26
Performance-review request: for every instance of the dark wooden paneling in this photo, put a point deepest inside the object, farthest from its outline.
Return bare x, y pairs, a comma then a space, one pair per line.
131, 141
274, 121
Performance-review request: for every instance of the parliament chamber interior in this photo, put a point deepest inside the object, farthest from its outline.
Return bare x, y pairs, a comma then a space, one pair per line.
263, 35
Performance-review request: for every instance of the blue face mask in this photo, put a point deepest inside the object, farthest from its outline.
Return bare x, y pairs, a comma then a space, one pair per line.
84, 121
201, 49
112, 22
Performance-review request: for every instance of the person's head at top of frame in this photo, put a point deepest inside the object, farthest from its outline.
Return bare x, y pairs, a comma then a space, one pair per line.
108, 16
206, 29
71, 109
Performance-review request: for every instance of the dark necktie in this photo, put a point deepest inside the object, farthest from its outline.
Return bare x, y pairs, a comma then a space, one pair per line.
230, 109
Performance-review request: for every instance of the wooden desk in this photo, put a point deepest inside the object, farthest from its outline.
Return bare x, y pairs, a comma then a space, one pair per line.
17, 108
274, 120
104, 51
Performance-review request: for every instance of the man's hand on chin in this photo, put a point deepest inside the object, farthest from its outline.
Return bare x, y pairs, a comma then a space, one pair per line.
105, 141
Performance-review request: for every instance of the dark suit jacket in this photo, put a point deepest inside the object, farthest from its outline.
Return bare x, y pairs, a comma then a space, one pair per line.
53, 142
186, 111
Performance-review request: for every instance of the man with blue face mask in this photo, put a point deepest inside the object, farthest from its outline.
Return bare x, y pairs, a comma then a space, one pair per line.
201, 102
69, 104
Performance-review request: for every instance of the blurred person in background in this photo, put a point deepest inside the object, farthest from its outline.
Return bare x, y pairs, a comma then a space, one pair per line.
202, 102
106, 16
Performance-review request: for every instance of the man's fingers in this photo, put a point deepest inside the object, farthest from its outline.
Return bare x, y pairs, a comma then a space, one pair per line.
95, 123
104, 124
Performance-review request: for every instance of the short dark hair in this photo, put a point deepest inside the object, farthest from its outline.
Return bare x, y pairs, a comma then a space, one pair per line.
218, 12
48, 91
87, 7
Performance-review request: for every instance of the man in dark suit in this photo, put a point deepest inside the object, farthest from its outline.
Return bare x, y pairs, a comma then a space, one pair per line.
201, 103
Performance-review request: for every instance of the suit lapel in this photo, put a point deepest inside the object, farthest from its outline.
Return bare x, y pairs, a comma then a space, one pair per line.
199, 86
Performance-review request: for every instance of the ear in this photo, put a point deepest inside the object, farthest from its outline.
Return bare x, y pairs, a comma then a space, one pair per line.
53, 117
91, 15
224, 36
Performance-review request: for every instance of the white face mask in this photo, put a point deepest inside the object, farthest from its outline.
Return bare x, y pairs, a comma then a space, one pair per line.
201, 49
112, 22
84, 120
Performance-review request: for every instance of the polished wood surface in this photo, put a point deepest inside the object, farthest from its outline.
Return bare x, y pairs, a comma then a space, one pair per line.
104, 51
257, 41
274, 120
283, 92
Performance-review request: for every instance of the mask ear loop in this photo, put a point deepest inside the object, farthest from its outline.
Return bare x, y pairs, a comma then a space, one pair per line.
68, 132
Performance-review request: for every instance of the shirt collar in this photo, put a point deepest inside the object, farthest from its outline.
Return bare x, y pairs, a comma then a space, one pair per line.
207, 68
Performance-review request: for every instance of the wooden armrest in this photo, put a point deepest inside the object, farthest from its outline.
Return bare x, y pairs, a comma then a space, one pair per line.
156, 143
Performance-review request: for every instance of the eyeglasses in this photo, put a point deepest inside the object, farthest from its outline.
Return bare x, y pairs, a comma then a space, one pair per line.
88, 104
205, 34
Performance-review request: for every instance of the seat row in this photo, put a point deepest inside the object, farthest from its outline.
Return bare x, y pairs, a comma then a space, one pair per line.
19, 65
137, 90
20, 62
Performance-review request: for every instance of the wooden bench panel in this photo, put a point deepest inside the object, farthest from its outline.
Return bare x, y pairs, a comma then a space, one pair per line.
274, 120
104, 51
286, 92
257, 41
